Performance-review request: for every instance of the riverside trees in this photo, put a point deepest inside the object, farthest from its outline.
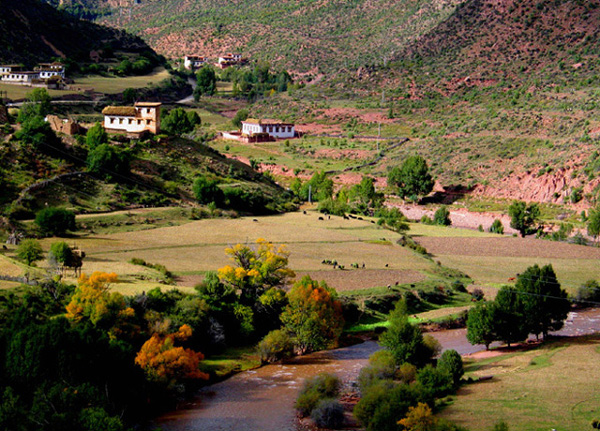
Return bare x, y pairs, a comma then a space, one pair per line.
536, 305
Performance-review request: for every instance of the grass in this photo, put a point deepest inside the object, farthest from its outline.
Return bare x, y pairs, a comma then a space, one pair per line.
115, 85
550, 387
231, 361
18, 92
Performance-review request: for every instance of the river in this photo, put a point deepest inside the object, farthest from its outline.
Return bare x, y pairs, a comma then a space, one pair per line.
263, 399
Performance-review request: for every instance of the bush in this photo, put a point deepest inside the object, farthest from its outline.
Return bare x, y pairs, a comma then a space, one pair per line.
436, 382
55, 221
382, 366
442, 216
109, 162
29, 251
497, 227
589, 291
328, 414
276, 345
207, 191
451, 363
316, 389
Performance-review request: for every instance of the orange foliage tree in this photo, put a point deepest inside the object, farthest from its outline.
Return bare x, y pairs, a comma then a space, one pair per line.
313, 315
92, 300
165, 362
419, 418
256, 269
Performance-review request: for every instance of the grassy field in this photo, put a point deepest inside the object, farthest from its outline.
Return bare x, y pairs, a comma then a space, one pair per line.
113, 85
18, 92
546, 388
495, 259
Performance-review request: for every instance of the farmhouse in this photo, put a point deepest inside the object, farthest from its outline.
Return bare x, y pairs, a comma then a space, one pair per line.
230, 60
48, 70
192, 62
22, 78
271, 129
134, 120
8, 68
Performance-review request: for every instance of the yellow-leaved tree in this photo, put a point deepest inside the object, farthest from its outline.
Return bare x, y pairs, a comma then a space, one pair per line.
256, 269
93, 301
164, 362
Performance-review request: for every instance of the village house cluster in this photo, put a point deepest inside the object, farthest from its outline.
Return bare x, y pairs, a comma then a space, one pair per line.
48, 75
194, 62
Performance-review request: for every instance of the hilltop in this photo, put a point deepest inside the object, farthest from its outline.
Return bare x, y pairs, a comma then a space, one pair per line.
33, 31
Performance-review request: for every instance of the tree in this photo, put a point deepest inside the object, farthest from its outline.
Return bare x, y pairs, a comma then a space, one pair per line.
509, 319
319, 187
497, 227
96, 136
593, 226
179, 122
240, 116
523, 217
37, 105
55, 221
451, 363
164, 362
37, 133
545, 303
419, 418
313, 315
130, 95
276, 345
206, 82
256, 269
29, 251
412, 179
480, 324
404, 339
207, 191
442, 216
93, 302
108, 161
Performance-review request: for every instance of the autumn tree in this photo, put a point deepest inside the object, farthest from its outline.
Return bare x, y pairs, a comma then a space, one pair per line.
92, 301
256, 269
313, 315
165, 362
418, 418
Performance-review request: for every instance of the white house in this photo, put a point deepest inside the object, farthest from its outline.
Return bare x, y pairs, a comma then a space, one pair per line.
20, 77
137, 119
274, 128
48, 70
8, 68
230, 60
192, 62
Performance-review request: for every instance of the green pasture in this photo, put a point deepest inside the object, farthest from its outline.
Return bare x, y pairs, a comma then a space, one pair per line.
545, 388
114, 85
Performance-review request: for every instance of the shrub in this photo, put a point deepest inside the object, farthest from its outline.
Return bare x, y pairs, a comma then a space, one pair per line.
497, 227
30, 250
477, 294
436, 382
451, 363
55, 221
442, 216
276, 345
207, 191
108, 161
589, 291
328, 414
316, 389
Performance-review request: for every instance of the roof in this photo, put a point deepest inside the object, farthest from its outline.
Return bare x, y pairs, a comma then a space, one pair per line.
148, 104
122, 111
10, 65
266, 121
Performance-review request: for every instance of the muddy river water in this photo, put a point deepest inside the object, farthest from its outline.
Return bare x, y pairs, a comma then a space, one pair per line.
263, 399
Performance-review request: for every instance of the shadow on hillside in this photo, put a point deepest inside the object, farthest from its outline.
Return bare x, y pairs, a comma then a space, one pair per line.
448, 196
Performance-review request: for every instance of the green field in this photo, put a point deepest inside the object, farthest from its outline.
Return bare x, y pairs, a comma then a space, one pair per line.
19, 92
550, 387
114, 85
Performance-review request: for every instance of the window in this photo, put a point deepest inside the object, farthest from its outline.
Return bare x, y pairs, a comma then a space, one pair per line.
112, 120
130, 121
139, 122
148, 122
120, 121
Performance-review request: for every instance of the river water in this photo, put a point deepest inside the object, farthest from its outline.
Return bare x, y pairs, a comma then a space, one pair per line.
263, 399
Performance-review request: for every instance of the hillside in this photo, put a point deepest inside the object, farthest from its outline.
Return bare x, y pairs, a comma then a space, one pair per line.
303, 36
33, 32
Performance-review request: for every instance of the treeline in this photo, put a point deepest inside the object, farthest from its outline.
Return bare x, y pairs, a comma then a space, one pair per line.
253, 82
87, 358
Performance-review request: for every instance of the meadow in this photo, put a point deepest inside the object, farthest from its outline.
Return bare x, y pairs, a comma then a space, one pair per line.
549, 387
115, 85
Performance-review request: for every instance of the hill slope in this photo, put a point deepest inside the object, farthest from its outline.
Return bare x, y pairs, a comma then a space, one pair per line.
33, 31
302, 35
